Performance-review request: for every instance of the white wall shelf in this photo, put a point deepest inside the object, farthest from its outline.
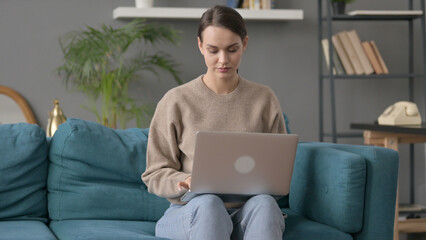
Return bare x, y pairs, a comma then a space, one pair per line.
195, 13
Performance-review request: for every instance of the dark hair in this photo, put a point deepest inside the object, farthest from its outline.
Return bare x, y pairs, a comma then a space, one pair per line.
222, 16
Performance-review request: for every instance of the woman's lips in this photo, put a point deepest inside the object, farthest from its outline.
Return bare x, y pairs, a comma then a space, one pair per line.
223, 70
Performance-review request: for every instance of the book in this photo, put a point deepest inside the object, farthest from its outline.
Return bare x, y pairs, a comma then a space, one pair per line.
350, 52
254, 4
232, 3
379, 57
337, 63
326, 50
359, 50
246, 4
368, 49
337, 66
347, 65
266, 4
385, 12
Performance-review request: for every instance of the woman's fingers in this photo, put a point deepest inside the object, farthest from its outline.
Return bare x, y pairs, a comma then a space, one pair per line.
186, 184
181, 185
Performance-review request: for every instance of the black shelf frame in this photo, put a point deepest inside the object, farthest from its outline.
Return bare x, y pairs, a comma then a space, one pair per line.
328, 19
410, 76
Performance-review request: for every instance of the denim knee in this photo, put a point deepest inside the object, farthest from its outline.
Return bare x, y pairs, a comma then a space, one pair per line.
264, 204
261, 218
210, 218
263, 201
208, 206
208, 200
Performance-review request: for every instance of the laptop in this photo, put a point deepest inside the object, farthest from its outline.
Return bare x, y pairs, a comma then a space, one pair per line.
237, 166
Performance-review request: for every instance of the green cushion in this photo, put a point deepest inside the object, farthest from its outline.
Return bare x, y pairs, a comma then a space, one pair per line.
95, 173
328, 186
380, 189
300, 228
24, 230
103, 229
23, 172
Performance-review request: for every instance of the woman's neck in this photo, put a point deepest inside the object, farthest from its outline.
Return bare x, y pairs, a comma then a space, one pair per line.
221, 85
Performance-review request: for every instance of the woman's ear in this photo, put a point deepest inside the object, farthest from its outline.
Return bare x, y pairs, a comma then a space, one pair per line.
245, 43
200, 45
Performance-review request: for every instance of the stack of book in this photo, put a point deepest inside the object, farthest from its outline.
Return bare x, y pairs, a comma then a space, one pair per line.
351, 56
251, 4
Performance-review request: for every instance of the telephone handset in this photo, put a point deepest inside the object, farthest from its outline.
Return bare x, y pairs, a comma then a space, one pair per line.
401, 113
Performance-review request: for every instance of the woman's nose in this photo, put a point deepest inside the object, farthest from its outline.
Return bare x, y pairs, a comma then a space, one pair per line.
223, 57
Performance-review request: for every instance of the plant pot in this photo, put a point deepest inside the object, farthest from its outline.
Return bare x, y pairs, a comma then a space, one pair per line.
144, 3
338, 8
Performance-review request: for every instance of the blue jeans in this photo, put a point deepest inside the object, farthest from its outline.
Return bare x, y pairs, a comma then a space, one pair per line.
205, 217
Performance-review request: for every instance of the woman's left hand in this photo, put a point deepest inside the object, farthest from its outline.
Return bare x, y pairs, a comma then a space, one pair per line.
186, 184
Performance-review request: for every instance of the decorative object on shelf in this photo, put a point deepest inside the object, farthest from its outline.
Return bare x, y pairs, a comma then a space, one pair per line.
56, 118
144, 3
401, 113
339, 6
14, 107
96, 62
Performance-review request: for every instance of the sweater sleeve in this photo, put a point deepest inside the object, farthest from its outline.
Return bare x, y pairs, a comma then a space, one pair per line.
277, 118
163, 168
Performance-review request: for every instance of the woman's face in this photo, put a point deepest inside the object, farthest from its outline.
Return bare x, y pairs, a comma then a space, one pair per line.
222, 50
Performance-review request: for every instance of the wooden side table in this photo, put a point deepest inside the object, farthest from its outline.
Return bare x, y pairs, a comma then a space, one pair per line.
390, 137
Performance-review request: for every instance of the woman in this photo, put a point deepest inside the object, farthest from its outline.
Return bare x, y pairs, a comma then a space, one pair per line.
219, 100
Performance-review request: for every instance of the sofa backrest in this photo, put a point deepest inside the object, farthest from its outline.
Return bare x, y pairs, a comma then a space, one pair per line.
23, 172
328, 186
95, 173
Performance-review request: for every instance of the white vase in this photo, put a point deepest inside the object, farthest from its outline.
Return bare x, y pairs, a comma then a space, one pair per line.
144, 3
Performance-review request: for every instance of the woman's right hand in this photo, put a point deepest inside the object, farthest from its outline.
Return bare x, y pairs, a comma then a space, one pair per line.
186, 184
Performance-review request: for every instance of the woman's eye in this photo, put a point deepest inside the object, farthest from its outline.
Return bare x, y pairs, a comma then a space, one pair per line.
233, 50
213, 51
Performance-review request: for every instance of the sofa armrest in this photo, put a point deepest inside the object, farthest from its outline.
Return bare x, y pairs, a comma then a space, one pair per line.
352, 188
380, 190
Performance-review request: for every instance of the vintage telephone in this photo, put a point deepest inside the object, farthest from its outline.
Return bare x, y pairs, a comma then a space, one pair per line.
401, 113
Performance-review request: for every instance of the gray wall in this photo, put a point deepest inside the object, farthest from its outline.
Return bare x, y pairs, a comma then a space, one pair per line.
283, 55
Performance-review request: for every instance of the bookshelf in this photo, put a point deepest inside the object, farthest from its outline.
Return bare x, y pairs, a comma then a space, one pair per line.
327, 19
195, 13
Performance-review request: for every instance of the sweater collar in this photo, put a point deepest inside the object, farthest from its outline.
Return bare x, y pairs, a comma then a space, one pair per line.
205, 90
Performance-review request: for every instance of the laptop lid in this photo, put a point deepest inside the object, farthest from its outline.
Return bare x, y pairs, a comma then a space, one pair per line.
230, 163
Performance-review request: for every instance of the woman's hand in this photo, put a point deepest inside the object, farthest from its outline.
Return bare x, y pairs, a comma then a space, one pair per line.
186, 184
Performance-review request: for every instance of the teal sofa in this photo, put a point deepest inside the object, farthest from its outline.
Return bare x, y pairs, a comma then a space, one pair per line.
84, 183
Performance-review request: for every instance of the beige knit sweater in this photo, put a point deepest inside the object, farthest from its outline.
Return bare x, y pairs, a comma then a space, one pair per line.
191, 107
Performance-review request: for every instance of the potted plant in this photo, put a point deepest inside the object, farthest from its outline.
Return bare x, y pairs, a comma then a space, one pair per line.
96, 62
339, 6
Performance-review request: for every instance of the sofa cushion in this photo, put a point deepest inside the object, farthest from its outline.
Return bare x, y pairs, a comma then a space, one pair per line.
23, 172
95, 173
298, 227
24, 230
328, 186
103, 229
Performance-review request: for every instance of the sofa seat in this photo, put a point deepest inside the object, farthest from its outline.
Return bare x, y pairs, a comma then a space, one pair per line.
24, 230
298, 227
103, 229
